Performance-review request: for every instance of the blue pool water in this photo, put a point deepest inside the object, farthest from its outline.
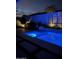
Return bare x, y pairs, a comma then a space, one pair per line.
48, 36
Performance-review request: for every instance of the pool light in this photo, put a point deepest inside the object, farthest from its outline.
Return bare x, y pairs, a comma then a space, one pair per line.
32, 35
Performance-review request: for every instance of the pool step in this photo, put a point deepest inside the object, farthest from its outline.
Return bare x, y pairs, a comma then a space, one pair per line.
29, 47
45, 55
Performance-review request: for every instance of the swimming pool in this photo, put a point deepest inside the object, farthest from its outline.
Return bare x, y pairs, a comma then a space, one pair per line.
50, 36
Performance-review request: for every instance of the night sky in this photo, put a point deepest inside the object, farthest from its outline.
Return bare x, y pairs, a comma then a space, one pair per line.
32, 6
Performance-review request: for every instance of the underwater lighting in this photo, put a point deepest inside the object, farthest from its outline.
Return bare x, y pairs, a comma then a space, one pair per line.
32, 35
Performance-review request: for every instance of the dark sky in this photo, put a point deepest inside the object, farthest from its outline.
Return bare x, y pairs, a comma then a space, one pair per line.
33, 6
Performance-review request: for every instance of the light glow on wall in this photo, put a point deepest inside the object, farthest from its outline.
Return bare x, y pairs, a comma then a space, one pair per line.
51, 24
